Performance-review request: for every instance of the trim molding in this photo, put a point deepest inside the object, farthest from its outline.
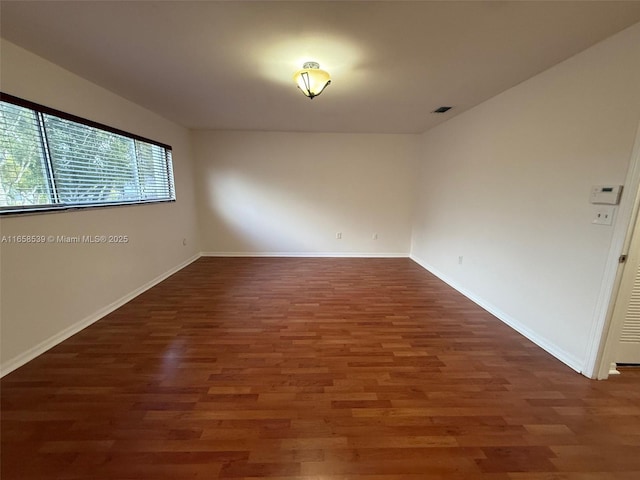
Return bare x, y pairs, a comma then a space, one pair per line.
16, 362
613, 369
605, 330
566, 358
307, 254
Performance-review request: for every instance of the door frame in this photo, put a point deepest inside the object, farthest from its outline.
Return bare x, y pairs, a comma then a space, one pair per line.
605, 332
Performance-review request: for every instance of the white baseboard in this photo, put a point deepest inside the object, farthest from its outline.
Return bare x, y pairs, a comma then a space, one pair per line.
307, 254
565, 357
16, 362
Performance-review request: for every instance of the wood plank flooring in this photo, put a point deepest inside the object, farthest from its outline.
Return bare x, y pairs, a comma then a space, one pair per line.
322, 369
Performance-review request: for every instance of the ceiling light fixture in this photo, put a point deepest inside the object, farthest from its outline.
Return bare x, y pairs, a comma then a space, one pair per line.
311, 80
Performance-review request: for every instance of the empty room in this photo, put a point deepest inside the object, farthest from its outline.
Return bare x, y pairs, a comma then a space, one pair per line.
320, 240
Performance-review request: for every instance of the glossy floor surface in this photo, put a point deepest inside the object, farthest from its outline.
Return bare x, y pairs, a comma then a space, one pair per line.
320, 369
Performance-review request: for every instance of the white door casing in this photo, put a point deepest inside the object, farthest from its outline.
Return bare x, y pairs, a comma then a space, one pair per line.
606, 331
626, 311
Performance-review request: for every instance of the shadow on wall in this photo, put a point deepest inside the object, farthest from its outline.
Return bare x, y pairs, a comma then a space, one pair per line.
249, 215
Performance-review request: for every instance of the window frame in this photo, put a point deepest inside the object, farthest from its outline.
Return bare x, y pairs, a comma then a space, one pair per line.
40, 111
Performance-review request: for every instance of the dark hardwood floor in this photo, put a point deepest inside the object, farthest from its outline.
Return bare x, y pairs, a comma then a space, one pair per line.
320, 369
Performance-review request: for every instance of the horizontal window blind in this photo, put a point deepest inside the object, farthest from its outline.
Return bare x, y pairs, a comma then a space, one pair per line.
22, 159
50, 160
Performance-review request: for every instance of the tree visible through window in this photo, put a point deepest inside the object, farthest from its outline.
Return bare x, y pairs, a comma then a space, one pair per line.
22, 159
50, 160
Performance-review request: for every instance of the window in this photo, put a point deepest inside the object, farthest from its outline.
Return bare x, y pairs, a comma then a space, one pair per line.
50, 160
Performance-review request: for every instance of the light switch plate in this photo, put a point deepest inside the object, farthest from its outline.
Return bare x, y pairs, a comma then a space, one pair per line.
603, 216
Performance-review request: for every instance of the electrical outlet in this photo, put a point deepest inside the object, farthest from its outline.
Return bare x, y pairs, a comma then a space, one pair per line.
460, 260
374, 236
339, 235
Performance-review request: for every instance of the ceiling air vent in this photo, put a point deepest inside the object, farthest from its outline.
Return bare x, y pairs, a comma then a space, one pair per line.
441, 109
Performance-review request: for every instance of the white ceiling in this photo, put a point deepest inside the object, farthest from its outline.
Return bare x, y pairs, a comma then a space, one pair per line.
229, 65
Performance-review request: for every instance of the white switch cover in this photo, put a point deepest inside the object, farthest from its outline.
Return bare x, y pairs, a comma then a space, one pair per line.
604, 216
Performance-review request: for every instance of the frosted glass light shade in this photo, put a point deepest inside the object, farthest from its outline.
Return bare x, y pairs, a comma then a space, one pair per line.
311, 80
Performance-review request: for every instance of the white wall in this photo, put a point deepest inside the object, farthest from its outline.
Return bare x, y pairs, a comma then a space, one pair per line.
290, 193
506, 185
49, 291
